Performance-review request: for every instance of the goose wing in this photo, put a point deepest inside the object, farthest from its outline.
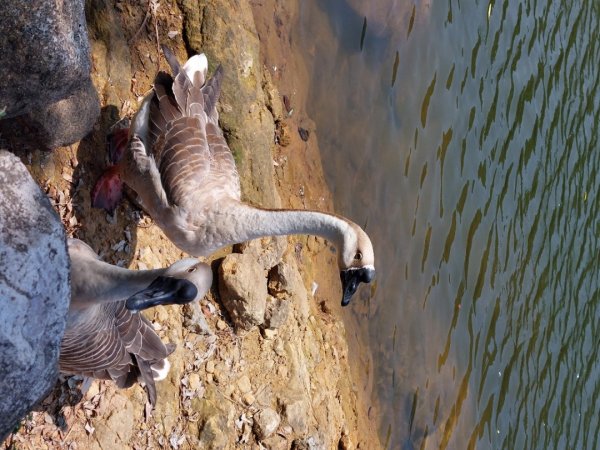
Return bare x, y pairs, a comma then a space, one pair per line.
111, 343
193, 158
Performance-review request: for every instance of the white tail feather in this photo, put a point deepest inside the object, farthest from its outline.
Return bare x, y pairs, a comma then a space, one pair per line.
197, 63
161, 374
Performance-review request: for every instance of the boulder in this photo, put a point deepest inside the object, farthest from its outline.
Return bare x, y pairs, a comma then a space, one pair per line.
243, 290
34, 292
46, 72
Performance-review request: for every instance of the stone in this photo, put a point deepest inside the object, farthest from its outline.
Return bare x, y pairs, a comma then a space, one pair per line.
267, 251
296, 412
35, 291
68, 120
244, 384
121, 421
266, 422
210, 367
48, 78
249, 399
194, 382
277, 313
213, 434
268, 333
243, 289
285, 282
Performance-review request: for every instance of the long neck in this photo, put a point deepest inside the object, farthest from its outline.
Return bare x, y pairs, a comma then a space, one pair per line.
244, 222
95, 282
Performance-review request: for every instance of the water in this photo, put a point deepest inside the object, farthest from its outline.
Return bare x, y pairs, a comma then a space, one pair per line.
465, 136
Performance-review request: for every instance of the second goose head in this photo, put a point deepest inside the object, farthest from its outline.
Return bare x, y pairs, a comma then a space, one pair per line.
183, 282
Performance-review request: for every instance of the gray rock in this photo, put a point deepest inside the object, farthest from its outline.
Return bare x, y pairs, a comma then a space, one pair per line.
277, 313
68, 120
34, 292
46, 52
266, 421
243, 289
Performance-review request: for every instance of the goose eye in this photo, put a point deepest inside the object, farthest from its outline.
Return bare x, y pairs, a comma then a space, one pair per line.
192, 269
358, 256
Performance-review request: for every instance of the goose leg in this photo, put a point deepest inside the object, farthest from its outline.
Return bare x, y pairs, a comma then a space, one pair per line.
117, 144
108, 190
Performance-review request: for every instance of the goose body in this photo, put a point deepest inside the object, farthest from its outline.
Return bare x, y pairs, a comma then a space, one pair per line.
105, 337
176, 159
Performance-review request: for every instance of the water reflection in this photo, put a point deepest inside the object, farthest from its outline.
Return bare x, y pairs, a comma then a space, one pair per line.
471, 133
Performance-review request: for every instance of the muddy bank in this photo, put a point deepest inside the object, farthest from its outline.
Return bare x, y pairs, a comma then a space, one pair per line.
284, 381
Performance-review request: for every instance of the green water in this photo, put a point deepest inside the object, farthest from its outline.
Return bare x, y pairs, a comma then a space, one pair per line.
465, 135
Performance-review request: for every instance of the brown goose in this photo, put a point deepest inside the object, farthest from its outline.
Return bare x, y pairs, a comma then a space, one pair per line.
105, 337
176, 159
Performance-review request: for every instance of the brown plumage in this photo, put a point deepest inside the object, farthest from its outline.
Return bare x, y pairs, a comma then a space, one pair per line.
177, 161
105, 336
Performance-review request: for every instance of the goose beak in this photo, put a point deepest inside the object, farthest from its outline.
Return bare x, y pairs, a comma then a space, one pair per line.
163, 291
352, 277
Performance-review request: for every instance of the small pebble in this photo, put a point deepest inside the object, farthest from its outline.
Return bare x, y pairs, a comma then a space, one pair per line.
221, 325
269, 334
244, 384
249, 399
210, 367
194, 382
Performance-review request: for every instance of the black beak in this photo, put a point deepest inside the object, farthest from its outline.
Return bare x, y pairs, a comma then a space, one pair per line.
163, 291
351, 278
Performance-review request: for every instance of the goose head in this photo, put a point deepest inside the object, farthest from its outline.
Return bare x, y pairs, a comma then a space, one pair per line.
185, 281
356, 261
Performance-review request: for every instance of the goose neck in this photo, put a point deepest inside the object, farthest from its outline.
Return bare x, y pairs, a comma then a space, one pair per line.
253, 223
106, 283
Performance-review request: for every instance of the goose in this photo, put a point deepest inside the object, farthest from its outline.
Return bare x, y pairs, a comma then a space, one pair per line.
175, 157
105, 337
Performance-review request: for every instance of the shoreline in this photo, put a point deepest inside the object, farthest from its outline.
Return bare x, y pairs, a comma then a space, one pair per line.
216, 390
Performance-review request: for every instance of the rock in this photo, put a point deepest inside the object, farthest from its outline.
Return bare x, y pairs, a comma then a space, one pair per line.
120, 422
277, 313
221, 325
266, 421
34, 288
296, 412
48, 74
268, 333
210, 367
267, 251
243, 290
213, 435
244, 384
68, 120
310, 443
276, 442
249, 399
282, 371
194, 319
285, 282
345, 443
194, 382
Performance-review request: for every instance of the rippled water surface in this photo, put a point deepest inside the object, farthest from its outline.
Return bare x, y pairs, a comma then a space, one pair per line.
465, 135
